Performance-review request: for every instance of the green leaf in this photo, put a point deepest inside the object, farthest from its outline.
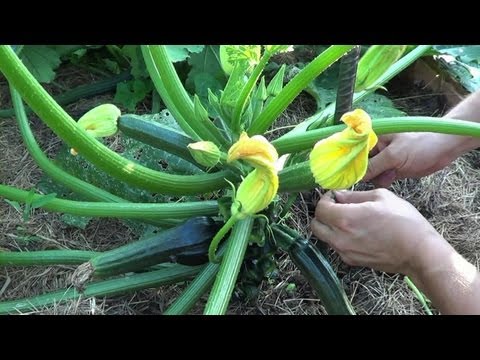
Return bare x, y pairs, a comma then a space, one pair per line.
134, 54
204, 82
276, 49
182, 52
379, 106
463, 53
291, 287
232, 91
28, 204
112, 66
43, 200
63, 50
462, 63
324, 88
206, 72
41, 61
130, 93
247, 56
276, 84
79, 222
14, 204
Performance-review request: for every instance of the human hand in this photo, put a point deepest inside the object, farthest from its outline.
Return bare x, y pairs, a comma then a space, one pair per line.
376, 229
412, 155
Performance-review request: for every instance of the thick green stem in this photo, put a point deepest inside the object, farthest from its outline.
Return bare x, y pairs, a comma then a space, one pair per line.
117, 210
129, 283
298, 177
327, 114
162, 91
304, 141
80, 92
46, 257
199, 286
180, 98
78, 186
93, 150
246, 91
231, 262
296, 86
56, 173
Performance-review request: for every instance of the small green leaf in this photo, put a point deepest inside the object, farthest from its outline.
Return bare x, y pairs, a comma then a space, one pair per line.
28, 204
79, 222
276, 49
204, 83
80, 53
43, 200
276, 84
214, 103
232, 91
182, 52
130, 93
199, 110
324, 88
291, 288
261, 92
112, 66
14, 204
379, 106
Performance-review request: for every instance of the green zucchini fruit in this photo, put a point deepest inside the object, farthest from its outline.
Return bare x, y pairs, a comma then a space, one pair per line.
186, 244
316, 269
156, 135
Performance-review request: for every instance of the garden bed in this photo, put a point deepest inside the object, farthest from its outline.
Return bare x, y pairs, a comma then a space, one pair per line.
448, 199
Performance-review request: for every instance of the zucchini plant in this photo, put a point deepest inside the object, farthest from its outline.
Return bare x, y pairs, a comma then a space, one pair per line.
239, 173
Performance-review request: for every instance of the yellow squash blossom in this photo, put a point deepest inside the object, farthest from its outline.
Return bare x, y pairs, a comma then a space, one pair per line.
255, 193
257, 190
255, 150
341, 160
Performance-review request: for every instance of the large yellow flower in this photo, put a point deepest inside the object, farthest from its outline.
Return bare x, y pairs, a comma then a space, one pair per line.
341, 160
259, 188
255, 193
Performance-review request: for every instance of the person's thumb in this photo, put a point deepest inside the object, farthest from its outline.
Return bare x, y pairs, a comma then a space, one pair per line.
379, 164
354, 197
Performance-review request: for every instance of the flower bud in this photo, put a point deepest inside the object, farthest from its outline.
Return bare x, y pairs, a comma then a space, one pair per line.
205, 153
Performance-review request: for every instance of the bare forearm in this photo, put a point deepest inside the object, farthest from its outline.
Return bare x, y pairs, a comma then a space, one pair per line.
468, 110
448, 280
